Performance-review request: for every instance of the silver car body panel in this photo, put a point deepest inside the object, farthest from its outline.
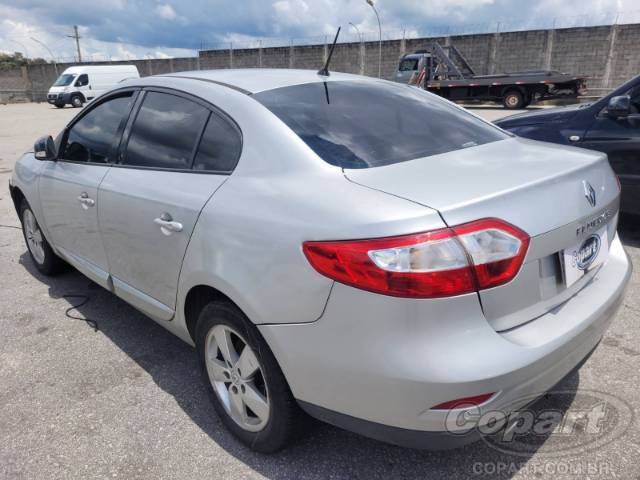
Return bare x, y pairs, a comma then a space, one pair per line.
389, 360
268, 78
479, 182
68, 194
375, 357
517, 180
142, 255
25, 176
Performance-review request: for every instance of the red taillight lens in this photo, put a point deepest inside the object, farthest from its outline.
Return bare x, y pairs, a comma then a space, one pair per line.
496, 248
425, 265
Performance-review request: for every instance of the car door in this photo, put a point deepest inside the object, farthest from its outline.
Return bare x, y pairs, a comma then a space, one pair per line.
68, 187
619, 138
151, 200
83, 85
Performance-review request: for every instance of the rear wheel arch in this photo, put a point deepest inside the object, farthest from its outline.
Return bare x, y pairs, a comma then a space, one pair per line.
198, 297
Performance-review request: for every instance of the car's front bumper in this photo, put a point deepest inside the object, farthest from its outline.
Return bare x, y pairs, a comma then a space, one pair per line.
58, 98
387, 361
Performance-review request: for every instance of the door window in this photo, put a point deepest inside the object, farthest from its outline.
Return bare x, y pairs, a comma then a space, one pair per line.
94, 137
409, 65
82, 80
220, 146
634, 94
165, 132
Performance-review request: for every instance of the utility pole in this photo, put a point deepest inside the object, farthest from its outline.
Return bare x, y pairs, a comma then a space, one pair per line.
77, 38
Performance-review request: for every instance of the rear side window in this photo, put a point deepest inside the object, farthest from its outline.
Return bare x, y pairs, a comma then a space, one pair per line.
94, 137
220, 146
165, 132
371, 124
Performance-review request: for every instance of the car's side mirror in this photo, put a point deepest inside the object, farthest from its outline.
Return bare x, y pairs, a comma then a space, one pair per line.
45, 148
619, 107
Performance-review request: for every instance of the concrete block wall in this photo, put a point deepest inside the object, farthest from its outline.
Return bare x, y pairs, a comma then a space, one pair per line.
625, 63
583, 51
608, 55
518, 51
305, 56
14, 84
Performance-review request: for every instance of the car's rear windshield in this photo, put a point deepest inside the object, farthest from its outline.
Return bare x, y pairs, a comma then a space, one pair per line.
64, 80
354, 124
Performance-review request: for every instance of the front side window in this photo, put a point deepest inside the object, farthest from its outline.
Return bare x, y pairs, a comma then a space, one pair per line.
94, 137
220, 146
82, 80
409, 65
165, 132
64, 80
370, 124
634, 96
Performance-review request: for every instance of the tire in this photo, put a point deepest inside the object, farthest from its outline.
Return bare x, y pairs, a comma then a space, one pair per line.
76, 101
43, 256
513, 100
262, 432
59, 105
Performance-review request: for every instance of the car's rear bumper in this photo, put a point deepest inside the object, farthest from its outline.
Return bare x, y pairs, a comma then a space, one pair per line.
404, 437
387, 361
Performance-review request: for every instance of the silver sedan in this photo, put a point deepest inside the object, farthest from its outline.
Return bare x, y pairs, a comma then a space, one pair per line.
345, 247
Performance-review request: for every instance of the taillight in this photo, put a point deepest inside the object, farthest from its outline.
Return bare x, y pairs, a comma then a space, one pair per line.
496, 248
439, 263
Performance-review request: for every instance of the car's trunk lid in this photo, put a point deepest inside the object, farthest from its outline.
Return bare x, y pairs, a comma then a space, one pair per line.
535, 186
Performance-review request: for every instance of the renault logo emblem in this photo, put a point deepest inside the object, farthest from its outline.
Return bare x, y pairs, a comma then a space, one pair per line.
589, 193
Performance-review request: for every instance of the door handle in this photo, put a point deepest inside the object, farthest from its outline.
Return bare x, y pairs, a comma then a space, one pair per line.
167, 225
85, 201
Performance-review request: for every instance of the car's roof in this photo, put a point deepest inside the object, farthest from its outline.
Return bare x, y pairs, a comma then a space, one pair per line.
254, 80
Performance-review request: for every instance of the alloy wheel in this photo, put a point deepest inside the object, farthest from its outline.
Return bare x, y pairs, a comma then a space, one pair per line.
237, 378
34, 236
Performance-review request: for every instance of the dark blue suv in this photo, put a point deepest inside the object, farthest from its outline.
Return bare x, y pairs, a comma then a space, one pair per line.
610, 125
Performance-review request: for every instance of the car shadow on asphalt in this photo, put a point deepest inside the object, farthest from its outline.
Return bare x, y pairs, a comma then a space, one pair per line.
629, 230
324, 451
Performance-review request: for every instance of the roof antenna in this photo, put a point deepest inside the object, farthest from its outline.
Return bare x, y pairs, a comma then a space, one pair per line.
325, 70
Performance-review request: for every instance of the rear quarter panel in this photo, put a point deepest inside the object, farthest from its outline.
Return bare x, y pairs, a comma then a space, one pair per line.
248, 240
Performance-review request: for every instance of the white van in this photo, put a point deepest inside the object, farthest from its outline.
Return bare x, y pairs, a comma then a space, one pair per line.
78, 85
